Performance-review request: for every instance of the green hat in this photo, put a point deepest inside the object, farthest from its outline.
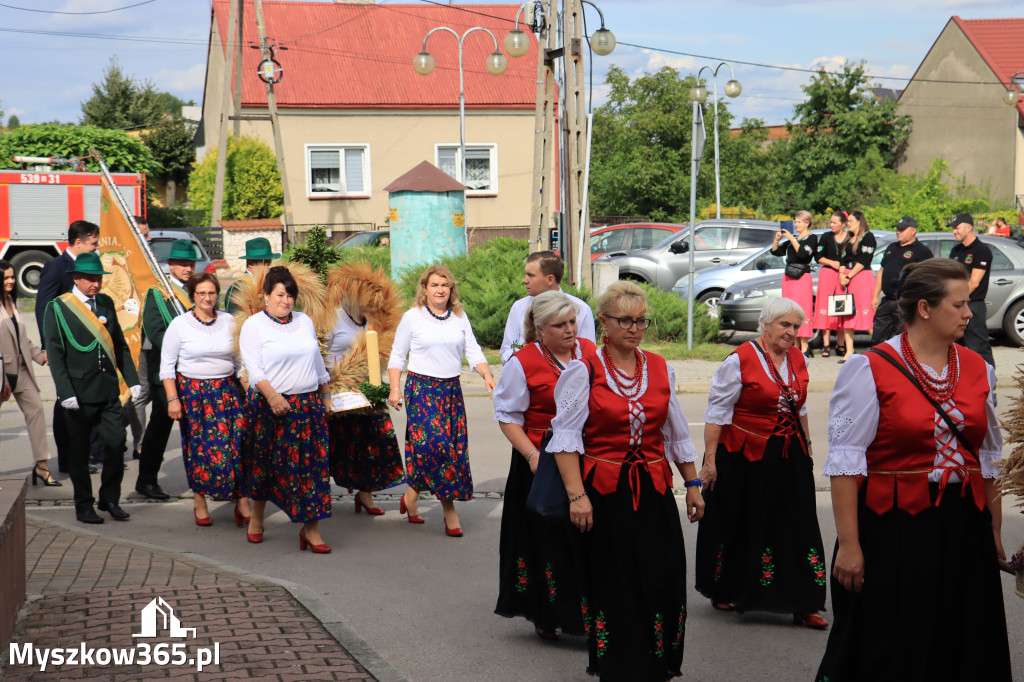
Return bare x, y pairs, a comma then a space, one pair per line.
259, 249
183, 249
88, 264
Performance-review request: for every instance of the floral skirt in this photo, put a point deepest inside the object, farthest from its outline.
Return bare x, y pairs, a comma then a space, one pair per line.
436, 441
286, 457
759, 545
212, 430
539, 568
364, 451
634, 599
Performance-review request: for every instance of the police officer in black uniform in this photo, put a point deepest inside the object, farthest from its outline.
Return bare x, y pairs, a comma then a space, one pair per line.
977, 258
899, 254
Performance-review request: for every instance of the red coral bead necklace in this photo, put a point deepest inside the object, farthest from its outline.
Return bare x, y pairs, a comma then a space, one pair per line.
629, 387
939, 390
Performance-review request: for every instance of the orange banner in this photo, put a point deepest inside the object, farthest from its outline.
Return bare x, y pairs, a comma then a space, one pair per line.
132, 274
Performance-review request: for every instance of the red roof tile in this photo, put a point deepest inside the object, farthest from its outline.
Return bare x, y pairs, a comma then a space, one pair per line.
1000, 42
344, 56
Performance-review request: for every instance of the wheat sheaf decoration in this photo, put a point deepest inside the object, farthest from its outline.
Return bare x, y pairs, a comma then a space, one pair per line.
363, 291
1011, 478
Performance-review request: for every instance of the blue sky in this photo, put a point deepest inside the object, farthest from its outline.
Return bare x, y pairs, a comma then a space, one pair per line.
48, 76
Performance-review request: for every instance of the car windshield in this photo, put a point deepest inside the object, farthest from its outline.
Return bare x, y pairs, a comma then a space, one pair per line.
161, 247
670, 237
360, 239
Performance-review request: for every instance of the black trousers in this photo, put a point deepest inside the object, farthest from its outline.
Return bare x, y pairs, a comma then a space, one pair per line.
976, 335
887, 321
60, 435
105, 418
155, 441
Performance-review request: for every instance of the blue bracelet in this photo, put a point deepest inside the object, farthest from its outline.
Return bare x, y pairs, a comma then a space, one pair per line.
694, 483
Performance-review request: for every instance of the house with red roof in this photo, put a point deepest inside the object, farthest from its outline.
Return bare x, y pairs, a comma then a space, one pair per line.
957, 102
354, 115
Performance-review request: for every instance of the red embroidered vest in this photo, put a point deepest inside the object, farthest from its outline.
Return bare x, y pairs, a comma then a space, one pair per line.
540, 381
756, 413
903, 451
606, 437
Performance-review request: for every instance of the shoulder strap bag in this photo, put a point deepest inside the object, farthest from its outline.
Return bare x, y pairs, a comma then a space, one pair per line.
792, 404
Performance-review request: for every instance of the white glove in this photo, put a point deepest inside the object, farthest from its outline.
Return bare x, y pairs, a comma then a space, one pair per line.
70, 403
136, 391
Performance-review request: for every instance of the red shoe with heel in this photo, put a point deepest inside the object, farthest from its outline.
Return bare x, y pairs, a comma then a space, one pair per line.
304, 543
202, 522
402, 509
372, 511
240, 518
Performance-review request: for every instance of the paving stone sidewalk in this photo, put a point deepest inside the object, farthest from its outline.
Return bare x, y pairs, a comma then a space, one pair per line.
87, 589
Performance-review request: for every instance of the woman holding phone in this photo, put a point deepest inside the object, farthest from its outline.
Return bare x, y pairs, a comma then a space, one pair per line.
799, 246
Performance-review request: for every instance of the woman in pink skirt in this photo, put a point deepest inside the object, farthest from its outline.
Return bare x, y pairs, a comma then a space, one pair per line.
800, 249
858, 278
830, 249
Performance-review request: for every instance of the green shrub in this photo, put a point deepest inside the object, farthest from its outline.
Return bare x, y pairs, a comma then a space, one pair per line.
317, 252
669, 313
252, 183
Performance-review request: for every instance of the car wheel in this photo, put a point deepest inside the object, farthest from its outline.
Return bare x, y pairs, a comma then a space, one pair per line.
1013, 323
28, 266
710, 299
633, 278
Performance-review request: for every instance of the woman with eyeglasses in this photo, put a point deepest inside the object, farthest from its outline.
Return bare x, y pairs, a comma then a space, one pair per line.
858, 278
759, 546
618, 425
799, 249
830, 249
199, 368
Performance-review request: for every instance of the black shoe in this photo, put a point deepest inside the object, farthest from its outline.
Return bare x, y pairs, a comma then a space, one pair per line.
152, 491
115, 511
97, 460
48, 480
93, 469
89, 516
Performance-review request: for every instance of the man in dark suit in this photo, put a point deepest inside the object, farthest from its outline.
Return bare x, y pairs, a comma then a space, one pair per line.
92, 370
54, 280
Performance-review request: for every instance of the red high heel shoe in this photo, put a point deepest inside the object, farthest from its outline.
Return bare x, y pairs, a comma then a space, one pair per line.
811, 620
254, 538
372, 511
402, 509
304, 543
452, 532
202, 522
723, 605
240, 517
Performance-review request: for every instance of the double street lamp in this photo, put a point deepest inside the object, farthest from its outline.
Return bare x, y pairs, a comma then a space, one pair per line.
699, 94
1011, 97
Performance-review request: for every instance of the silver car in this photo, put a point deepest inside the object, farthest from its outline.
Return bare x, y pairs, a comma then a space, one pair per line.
718, 242
160, 244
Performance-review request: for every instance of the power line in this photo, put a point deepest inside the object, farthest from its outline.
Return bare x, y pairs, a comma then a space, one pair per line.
48, 11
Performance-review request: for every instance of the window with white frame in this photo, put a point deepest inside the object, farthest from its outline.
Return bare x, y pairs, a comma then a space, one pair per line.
481, 166
338, 170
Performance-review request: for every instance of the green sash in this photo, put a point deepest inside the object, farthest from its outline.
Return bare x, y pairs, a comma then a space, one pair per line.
101, 337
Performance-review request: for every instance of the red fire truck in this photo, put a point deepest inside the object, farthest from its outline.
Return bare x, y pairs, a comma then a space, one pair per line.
36, 208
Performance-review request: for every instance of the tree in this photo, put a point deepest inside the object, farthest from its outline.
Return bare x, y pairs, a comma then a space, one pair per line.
171, 144
121, 152
252, 183
170, 104
121, 102
13, 122
844, 142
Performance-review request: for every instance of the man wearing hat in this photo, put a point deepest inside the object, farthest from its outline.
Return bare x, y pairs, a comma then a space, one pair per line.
899, 254
157, 313
94, 374
257, 253
977, 258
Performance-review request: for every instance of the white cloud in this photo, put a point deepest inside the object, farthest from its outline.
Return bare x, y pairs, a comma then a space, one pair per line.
181, 80
16, 111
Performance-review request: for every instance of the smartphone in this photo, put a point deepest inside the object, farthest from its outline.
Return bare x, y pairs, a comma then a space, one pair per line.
786, 225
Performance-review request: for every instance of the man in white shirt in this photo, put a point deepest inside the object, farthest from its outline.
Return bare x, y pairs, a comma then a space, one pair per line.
543, 272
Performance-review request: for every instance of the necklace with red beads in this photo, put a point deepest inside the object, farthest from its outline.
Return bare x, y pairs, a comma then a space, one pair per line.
629, 387
554, 363
939, 390
790, 388
204, 322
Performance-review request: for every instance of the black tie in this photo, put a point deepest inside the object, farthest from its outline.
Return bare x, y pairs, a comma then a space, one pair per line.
92, 305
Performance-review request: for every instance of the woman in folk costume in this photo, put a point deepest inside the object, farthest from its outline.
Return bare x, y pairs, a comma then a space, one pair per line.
364, 452
759, 546
914, 445
536, 571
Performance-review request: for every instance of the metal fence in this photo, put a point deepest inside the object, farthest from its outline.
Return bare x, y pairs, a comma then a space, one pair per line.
212, 239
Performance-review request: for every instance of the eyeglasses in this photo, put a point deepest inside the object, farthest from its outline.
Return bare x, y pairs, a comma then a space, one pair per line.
641, 323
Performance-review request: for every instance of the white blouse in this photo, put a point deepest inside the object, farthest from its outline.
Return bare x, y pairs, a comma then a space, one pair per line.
572, 400
199, 351
286, 355
727, 384
342, 338
512, 395
434, 347
853, 422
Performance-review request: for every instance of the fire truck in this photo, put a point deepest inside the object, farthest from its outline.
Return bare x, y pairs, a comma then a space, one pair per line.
36, 208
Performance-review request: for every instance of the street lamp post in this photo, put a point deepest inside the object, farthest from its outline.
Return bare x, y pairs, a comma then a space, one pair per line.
1011, 96
423, 63
700, 94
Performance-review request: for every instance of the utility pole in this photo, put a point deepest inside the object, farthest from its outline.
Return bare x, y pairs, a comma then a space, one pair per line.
232, 57
543, 126
575, 125
275, 125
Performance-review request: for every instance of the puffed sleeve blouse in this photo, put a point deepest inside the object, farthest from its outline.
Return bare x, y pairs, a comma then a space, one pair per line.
572, 401
512, 394
286, 355
860, 253
727, 385
854, 414
803, 256
199, 351
434, 347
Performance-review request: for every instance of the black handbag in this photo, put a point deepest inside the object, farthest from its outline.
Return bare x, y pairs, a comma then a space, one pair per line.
547, 492
797, 270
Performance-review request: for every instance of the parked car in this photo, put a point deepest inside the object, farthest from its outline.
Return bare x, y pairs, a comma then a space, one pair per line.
368, 238
718, 242
160, 244
629, 236
740, 304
